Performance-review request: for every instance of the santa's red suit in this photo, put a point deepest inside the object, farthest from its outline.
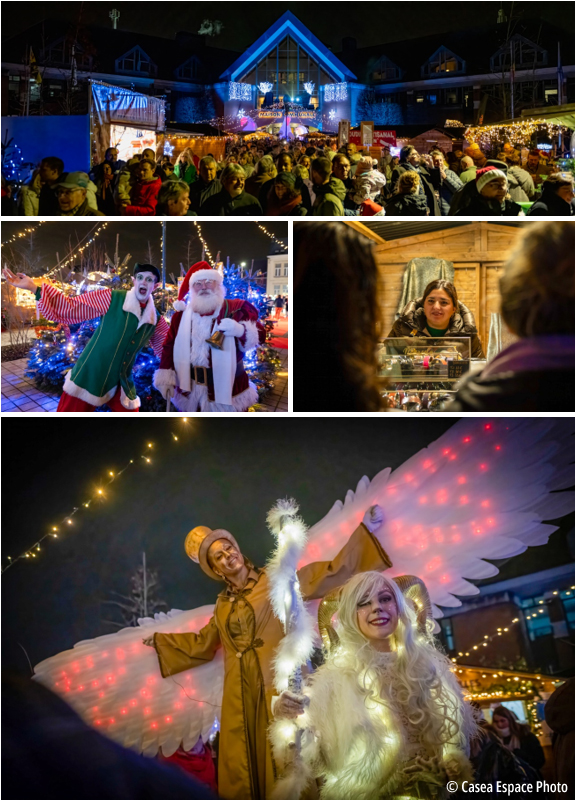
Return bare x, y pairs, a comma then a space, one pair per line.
200, 377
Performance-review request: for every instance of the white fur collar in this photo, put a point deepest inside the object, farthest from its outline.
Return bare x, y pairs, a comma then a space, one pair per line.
147, 315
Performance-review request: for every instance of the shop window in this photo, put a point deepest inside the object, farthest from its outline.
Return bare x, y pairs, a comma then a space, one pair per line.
432, 99
136, 61
60, 52
419, 97
451, 97
277, 271
277, 289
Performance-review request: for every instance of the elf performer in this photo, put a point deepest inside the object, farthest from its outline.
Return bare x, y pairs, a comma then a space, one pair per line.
249, 632
204, 375
103, 373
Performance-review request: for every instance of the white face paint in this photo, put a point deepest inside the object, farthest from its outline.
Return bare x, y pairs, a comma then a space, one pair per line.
144, 283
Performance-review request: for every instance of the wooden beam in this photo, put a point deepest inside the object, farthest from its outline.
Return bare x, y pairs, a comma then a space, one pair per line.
365, 231
469, 255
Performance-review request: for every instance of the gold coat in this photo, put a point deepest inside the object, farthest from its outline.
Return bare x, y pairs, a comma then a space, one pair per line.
246, 628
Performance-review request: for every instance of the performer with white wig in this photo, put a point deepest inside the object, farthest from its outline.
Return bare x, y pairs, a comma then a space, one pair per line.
202, 364
384, 716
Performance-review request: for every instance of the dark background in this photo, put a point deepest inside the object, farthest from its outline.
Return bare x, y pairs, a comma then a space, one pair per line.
242, 241
370, 24
221, 473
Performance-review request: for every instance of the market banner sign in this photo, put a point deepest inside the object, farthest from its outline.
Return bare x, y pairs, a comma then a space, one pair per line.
266, 115
111, 104
379, 138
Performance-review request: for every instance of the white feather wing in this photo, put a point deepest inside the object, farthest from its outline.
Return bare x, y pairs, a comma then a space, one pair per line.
114, 683
480, 491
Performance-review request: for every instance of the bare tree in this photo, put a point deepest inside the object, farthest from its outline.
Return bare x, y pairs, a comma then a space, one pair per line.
142, 600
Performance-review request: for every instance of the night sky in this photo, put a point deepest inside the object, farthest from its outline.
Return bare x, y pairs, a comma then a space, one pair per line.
221, 473
242, 241
245, 22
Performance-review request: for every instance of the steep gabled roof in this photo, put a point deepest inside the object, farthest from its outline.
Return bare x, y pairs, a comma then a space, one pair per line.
288, 24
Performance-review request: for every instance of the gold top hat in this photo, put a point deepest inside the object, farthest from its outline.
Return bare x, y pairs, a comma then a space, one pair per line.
198, 542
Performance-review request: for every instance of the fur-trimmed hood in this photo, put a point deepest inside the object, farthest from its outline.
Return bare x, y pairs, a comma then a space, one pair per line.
461, 324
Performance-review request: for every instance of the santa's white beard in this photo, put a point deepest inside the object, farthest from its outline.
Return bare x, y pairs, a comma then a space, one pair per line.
207, 303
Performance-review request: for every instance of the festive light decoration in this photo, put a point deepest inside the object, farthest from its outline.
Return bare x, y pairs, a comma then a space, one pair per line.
23, 233
332, 114
241, 113
239, 91
271, 236
207, 253
265, 87
12, 160
309, 87
454, 123
520, 132
168, 148
334, 92
77, 250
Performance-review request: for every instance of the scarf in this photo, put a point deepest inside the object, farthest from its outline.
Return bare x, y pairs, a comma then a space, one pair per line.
276, 207
554, 352
105, 184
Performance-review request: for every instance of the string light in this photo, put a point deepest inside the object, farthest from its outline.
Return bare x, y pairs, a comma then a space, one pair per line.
271, 236
23, 233
515, 132
99, 493
77, 250
207, 252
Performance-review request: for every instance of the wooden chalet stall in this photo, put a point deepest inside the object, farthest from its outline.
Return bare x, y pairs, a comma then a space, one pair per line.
477, 250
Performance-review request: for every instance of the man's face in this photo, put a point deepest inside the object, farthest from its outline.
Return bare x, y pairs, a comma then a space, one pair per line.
341, 169
479, 158
225, 559
458, 154
69, 199
112, 154
350, 149
234, 185
495, 190
317, 179
48, 175
285, 164
145, 171
566, 193
533, 162
204, 288
206, 296
148, 153
414, 158
179, 207
438, 161
208, 172
144, 283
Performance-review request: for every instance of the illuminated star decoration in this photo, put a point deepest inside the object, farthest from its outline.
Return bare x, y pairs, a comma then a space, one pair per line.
265, 87
332, 114
168, 149
241, 113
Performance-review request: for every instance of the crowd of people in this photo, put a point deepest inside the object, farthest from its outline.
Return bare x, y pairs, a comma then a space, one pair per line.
278, 178
338, 324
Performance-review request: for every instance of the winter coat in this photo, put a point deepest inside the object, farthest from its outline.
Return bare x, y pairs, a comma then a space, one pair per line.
448, 187
405, 205
468, 175
412, 322
185, 173
143, 198
201, 191
559, 714
255, 183
429, 182
520, 185
122, 186
222, 205
83, 210
329, 199
479, 207
550, 204
28, 201
49, 206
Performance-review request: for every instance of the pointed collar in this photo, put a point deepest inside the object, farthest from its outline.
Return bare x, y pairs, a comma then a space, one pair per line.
147, 315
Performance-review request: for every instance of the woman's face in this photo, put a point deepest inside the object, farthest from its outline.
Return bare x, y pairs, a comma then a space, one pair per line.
378, 615
285, 164
281, 190
225, 559
501, 723
179, 207
438, 308
305, 161
566, 193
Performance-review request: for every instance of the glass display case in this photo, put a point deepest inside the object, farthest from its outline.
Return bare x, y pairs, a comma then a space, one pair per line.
421, 373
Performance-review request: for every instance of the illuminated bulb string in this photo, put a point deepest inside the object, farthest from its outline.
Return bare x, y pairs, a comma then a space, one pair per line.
77, 250
208, 254
67, 521
271, 236
23, 233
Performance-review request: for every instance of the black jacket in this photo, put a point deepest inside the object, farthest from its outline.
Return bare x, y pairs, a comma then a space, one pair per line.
429, 179
201, 191
550, 391
405, 205
550, 204
222, 205
479, 207
412, 322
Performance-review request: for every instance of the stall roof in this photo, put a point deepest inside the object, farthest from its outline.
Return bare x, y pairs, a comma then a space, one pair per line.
556, 115
386, 231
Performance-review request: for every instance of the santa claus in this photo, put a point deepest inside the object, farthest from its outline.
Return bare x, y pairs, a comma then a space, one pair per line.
199, 370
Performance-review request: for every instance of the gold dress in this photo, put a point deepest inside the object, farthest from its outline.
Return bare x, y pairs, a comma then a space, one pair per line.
245, 627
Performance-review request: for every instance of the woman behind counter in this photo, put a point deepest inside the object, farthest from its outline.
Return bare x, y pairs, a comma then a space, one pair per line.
439, 313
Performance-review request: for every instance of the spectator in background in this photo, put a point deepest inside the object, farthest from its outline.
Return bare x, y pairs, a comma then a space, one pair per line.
168, 168
265, 171
206, 186
559, 715
557, 198
104, 190
278, 306
520, 183
51, 170
411, 161
232, 200
174, 200
285, 198
144, 192
330, 191
448, 183
535, 373
341, 169
29, 196
111, 159
468, 170
491, 196
337, 322
537, 167
71, 193
518, 737
9, 208
407, 201
185, 169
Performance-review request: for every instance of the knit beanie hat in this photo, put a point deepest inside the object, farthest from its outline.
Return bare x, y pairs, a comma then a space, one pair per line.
487, 174
286, 178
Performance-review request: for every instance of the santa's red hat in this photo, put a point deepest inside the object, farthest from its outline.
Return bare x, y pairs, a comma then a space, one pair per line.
202, 271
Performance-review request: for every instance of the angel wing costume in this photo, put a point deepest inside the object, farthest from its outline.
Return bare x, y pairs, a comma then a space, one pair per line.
482, 490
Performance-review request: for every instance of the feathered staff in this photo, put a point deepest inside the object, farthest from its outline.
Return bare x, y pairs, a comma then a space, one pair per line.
297, 645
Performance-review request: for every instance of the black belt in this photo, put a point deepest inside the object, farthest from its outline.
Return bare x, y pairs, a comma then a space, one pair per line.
202, 375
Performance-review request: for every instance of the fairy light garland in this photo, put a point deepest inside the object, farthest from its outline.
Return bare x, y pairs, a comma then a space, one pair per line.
67, 521
488, 638
208, 254
23, 233
516, 132
77, 250
271, 236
